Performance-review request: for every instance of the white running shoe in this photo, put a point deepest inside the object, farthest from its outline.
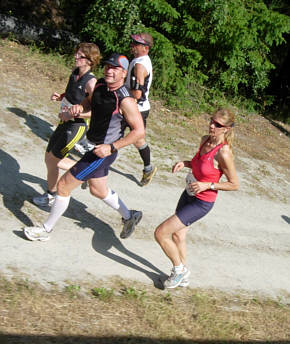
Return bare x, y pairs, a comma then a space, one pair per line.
175, 279
44, 200
36, 233
129, 225
184, 283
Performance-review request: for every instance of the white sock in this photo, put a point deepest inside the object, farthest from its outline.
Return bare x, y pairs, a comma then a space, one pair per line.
58, 208
179, 268
112, 199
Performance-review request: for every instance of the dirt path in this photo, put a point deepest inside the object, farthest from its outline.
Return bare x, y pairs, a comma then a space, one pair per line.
243, 244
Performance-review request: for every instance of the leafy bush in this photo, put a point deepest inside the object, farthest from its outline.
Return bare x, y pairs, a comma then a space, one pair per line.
202, 48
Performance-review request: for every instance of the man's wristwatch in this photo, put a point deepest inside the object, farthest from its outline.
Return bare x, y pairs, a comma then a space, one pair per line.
212, 186
113, 148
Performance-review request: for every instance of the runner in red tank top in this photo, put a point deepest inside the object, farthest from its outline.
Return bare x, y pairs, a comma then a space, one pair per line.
213, 159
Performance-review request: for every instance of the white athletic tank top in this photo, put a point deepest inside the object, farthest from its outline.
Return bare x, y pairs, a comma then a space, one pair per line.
143, 105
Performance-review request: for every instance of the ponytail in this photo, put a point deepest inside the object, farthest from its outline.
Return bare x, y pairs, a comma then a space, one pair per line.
229, 119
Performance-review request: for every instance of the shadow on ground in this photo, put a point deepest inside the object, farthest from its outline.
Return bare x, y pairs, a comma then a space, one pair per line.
278, 126
15, 192
25, 339
126, 175
105, 238
13, 187
38, 126
286, 219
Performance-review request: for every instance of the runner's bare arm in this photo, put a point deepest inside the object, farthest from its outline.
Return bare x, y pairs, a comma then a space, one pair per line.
134, 119
82, 110
226, 163
140, 72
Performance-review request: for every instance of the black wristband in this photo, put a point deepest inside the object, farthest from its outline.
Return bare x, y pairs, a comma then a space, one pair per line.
113, 148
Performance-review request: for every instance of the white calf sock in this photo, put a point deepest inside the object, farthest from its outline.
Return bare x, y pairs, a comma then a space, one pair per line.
112, 199
58, 208
179, 268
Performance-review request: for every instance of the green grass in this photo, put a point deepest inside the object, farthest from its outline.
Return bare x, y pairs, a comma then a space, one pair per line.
128, 308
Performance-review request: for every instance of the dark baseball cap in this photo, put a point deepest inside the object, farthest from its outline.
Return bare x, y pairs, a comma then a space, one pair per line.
118, 60
142, 40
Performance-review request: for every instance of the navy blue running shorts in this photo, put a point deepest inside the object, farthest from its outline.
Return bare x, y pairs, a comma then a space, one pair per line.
91, 166
190, 209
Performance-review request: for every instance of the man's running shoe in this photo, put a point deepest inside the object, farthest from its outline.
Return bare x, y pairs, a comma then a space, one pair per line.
36, 233
175, 279
44, 200
129, 225
147, 176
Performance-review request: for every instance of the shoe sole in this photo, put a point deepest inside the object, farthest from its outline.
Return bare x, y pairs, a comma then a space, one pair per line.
43, 205
32, 238
151, 177
184, 284
127, 235
178, 284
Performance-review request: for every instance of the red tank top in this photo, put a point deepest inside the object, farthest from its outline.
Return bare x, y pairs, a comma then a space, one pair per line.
204, 171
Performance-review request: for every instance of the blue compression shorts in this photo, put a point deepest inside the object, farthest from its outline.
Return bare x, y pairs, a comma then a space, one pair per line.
190, 209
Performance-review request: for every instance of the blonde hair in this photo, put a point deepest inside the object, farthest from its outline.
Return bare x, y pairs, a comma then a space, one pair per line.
228, 117
91, 52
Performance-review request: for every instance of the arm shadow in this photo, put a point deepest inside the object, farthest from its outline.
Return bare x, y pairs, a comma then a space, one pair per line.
13, 189
38, 126
127, 175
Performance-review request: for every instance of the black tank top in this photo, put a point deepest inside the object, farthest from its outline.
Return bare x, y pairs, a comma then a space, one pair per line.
107, 123
76, 89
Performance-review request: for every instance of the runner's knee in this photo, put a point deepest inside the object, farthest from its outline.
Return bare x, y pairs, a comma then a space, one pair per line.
141, 144
159, 233
178, 237
97, 192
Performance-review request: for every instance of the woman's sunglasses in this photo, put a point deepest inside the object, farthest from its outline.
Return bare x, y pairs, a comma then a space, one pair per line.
77, 56
217, 124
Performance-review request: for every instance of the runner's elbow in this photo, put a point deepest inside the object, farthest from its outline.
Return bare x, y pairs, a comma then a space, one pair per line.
235, 186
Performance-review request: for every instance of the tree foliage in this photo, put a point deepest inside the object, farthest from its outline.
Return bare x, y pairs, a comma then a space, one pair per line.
223, 45
203, 50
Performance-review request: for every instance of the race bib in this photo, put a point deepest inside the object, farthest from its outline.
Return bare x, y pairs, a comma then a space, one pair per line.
65, 105
188, 180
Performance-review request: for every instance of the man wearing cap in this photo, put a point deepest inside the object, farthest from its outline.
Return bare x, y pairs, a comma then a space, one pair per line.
111, 103
139, 80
